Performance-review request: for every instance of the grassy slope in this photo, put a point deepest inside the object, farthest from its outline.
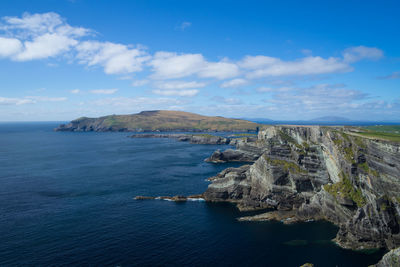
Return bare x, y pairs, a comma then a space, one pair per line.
174, 120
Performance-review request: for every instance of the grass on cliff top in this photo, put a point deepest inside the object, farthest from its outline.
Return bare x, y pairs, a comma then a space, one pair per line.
345, 189
382, 135
383, 132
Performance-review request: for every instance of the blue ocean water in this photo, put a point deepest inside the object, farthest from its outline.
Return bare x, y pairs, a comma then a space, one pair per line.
67, 199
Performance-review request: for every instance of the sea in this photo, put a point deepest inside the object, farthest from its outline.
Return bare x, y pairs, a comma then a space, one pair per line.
67, 199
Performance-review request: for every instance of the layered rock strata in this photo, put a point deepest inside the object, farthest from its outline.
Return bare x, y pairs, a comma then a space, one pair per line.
310, 173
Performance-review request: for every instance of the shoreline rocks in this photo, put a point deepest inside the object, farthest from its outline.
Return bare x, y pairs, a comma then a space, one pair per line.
203, 139
390, 259
177, 198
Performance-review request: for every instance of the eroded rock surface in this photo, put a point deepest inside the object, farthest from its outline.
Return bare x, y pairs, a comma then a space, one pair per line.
312, 173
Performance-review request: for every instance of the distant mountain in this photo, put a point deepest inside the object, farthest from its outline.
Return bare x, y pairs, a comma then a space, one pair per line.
331, 119
158, 120
259, 120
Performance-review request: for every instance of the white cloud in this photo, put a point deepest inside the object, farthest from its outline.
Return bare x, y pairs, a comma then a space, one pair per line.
269, 89
41, 36
305, 66
168, 65
190, 92
47, 99
179, 85
234, 83
353, 54
227, 101
44, 46
265, 89
38, 36
15, 101
178, 88
46, 35
33, 24
104, 91
9, 46
75, 91
29, 100
318, 98
139, 83
115, 58
137, 103
219, 70
184, 25
255, 62
394, 75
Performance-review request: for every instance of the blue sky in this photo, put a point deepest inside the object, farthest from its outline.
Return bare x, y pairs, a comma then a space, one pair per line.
283, 60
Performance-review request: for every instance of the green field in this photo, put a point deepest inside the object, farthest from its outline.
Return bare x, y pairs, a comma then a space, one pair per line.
384, 132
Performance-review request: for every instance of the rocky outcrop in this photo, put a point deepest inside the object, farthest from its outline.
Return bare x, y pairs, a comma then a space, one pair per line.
390, 259
205, 139
307, 173
177, 198
247, 150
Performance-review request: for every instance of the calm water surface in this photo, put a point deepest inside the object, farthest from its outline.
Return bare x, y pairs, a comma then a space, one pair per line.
67, 199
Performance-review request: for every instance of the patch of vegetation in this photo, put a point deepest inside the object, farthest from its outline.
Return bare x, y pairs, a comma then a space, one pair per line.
381, 135
345, 189
359, 142
374, 172
306, 145
345, 136
364, 166
384, 128
348, 154
287, 165
338, 142
384, 206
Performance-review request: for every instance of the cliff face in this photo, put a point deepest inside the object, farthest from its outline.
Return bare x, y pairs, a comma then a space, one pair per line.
311, 173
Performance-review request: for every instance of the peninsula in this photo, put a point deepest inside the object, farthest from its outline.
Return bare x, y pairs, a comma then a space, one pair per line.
159, 121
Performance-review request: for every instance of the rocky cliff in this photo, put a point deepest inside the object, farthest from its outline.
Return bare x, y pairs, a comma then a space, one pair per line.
303, 173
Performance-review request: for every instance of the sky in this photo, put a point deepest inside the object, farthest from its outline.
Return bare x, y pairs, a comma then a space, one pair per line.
282, 60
